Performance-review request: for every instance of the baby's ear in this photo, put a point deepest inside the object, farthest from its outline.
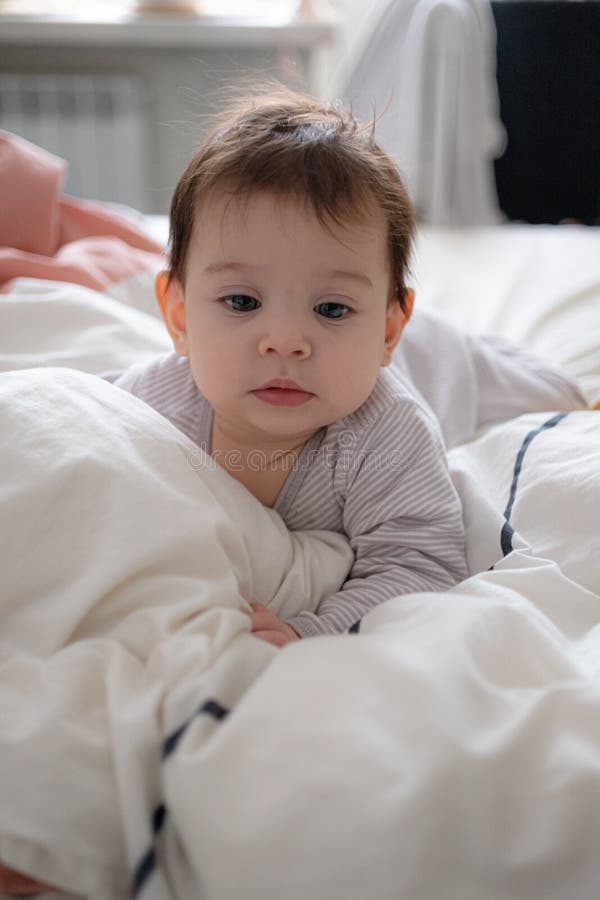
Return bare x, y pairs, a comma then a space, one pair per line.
409, 302
395, 321
170, 299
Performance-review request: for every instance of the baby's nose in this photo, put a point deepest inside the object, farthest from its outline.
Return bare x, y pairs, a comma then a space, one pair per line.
285, 337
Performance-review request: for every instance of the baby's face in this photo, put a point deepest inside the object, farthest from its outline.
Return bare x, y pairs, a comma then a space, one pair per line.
286, 322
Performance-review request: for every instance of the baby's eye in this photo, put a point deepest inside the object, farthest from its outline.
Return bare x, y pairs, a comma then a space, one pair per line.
241, 302
332, 310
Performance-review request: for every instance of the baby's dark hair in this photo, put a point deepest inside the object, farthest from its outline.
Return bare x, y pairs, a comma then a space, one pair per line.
292, 145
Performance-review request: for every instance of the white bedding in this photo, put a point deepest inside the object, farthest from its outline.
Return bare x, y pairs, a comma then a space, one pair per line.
453, 749
537, 285
450, 750
128, 560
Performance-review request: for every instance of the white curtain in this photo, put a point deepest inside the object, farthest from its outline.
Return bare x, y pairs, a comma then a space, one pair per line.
426, 70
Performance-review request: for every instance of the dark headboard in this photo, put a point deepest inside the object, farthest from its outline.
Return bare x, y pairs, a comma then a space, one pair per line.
548, 70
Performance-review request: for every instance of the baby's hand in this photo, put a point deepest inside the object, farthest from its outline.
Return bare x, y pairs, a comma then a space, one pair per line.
269, 627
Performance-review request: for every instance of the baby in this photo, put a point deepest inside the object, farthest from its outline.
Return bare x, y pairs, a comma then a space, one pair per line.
285, 297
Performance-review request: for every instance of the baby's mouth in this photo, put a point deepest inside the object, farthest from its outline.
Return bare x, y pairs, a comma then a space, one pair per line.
282, 392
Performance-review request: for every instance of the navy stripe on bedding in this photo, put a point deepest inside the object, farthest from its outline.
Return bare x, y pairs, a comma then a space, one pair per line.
209, 708
147, 863
143, 871
507, 533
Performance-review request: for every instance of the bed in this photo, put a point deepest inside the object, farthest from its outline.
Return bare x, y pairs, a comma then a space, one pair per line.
150, 747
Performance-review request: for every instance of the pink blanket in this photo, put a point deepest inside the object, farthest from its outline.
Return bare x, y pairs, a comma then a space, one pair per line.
44, 234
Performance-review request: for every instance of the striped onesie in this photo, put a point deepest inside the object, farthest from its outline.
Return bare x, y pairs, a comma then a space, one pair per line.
379, 476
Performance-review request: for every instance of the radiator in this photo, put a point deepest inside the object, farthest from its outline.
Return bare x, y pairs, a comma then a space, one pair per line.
95, 122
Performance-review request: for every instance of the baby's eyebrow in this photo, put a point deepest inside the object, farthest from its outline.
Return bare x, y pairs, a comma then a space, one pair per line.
225, 265
354, 276
216, 268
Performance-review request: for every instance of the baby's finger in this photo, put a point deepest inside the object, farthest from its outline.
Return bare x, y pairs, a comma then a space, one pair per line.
258, 607
277, 638
263, 620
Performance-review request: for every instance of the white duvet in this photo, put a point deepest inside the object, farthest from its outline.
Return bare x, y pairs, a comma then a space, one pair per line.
128, 559
149, 745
